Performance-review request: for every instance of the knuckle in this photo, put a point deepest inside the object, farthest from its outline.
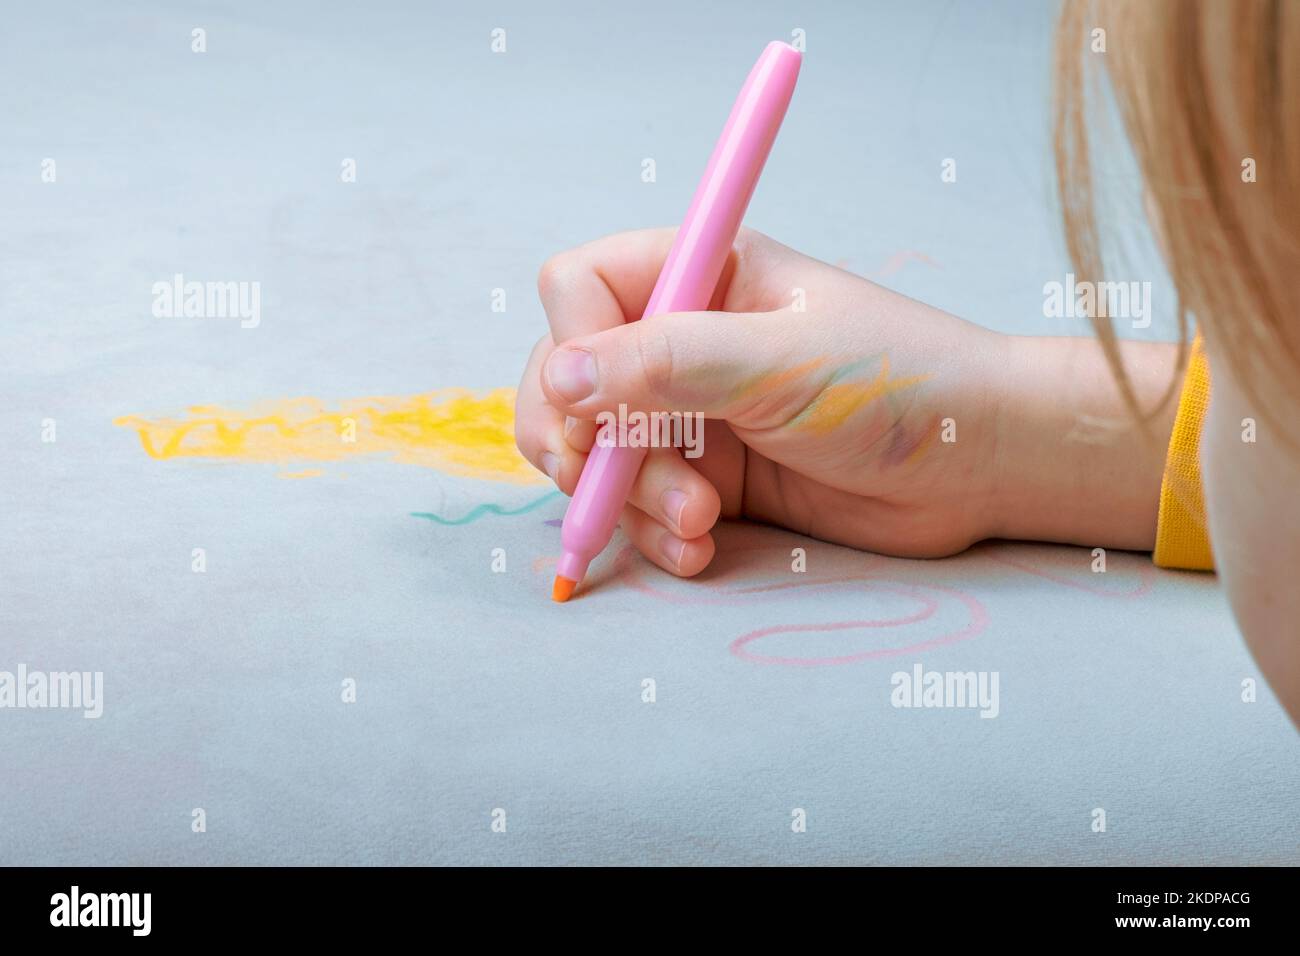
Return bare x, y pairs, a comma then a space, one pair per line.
655, 353
555, 272
748, 242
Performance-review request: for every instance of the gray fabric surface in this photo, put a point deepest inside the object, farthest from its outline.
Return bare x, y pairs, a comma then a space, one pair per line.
474, 692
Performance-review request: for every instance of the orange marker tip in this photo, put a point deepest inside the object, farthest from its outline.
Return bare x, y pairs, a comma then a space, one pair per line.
563, 589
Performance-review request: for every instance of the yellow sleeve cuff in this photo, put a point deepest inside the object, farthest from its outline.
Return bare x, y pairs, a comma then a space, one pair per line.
1182, 540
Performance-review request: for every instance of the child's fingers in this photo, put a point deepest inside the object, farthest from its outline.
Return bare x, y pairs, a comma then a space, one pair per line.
539, 427
752, 369
602, 284
580, 433
673, 493
605, 283
683, 557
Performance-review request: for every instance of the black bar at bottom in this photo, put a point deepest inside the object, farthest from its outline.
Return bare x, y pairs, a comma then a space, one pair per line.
335, 905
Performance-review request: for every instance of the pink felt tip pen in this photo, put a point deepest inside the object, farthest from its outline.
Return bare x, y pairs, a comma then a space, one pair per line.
686, 284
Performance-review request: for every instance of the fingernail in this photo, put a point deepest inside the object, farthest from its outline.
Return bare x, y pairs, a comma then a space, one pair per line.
674, 503
571, 373
672, 548
551, 465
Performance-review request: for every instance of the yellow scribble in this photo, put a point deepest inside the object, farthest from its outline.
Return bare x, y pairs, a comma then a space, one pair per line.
305, 473
452, 430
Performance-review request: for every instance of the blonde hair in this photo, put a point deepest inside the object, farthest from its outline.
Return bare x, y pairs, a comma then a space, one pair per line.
1209, 92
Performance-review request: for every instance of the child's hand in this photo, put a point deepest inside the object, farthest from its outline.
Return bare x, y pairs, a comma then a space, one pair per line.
864, 418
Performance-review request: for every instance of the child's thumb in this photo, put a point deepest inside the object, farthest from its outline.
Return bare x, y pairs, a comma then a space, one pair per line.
688, 362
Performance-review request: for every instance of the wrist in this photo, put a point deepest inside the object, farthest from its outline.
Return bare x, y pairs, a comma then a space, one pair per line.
1070, 463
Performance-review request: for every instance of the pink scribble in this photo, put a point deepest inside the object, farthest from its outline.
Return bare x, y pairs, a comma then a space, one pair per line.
629, 568
718, 587
896, 262
1145, 572
978, 620
893, 264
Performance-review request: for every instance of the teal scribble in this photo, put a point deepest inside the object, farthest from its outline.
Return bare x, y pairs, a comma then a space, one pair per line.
487, 509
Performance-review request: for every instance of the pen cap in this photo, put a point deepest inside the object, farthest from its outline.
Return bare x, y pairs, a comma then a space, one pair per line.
695, 262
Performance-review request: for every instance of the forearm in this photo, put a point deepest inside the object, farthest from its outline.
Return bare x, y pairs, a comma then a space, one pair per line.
1072, 464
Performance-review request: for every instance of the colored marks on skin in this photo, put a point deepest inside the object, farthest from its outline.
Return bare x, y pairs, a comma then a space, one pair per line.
486, 509
770, 383
841, 399
843, 391
904, 444
452, 430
